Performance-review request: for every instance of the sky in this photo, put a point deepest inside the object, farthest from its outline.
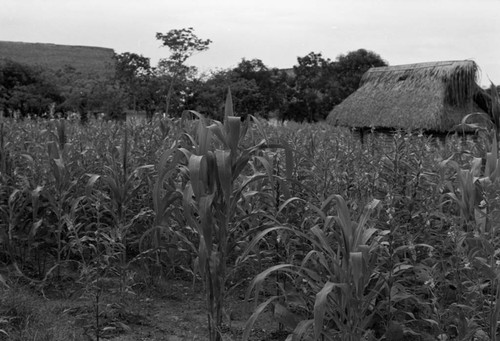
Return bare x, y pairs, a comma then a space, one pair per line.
274, 31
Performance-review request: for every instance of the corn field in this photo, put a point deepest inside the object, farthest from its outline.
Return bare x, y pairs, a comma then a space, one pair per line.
338, 240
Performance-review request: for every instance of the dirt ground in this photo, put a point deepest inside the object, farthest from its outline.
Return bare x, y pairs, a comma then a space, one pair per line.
171, 311
178, 312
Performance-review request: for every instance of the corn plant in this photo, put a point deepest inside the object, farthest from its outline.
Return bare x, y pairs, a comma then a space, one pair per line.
475, 240
213, 177
12, 213
476, 193
123, 186
162, 238
19, 204
63, 190
336, 283
5, 158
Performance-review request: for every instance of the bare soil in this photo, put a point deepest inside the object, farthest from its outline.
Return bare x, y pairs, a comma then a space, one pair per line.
172, 310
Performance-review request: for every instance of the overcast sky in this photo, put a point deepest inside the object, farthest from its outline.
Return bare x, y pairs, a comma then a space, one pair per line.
275, 31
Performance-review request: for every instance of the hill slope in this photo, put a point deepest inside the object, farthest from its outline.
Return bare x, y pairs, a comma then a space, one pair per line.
86, 60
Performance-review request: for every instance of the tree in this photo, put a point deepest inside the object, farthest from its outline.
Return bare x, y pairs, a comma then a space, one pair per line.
312, 95
309, 69
183, 43
252, 69
256, 90
134, 73
130, 65
252, 78
281, 91
320, 83
272, 87
208, 94
26, 91
350, 68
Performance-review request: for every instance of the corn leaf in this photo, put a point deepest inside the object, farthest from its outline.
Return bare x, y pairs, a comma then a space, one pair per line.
187, 204
495, 107
90, 183
319, 308
202, 258
198, 173
257, 281
322, 240
228, 108
286, 203
356, 262
206, 223
262, 234
301, 330
492, 157
53, 150
26, 156
220, 132
267, 165
259, 127
284, 187
224, 171
4, 283
233, 125
289, 162
285, 316
210, 176
344, 219
251, 321
318, 211
204, 136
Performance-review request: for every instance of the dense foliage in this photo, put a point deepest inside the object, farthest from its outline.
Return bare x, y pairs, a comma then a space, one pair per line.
25, 90
306, 92
34, 91
395, 238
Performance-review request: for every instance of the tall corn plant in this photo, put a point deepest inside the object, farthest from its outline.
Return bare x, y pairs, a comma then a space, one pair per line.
468, 191
476, 192
167, 197
123, 184
216, 179
19, 197
337, 281
5, 162
61, 197
495, 109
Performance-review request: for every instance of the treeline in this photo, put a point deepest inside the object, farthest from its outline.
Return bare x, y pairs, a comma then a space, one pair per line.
306, 92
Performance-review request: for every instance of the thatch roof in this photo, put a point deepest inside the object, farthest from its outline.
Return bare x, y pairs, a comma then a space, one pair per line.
426, 96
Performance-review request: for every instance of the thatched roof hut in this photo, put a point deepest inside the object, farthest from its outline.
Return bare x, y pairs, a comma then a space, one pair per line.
425, 96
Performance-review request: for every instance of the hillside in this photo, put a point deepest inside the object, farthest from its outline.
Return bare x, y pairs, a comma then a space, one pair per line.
86, 60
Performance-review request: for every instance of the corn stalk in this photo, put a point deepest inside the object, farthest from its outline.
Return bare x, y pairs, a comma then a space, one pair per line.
476, 192
338, 274
217, 175
123, 185
62, 196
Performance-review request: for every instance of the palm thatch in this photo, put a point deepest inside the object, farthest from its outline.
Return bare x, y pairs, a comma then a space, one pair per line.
426, 96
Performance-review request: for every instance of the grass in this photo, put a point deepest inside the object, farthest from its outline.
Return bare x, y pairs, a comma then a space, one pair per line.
26, 316
88, 62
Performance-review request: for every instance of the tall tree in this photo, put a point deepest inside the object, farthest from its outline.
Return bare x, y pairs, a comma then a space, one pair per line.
350, 68
253, 78
272, 86
24, 89
131, 71
312, 96
208, 94
183, 43
320, 83
252, 69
